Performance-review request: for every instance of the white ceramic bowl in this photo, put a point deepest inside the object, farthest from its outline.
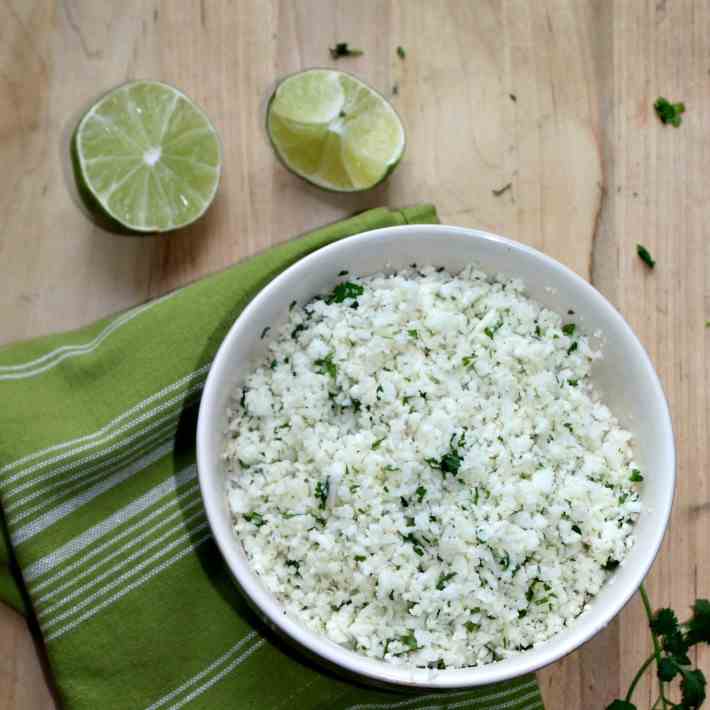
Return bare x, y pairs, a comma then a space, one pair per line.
625, 377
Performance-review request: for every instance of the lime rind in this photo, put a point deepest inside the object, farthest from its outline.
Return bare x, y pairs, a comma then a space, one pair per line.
150, 158
350, 151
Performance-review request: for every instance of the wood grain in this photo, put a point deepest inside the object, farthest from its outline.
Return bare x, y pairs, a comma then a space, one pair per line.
552, 96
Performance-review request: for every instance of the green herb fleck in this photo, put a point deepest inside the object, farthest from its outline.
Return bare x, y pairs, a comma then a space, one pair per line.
636, 476
610, 565
273, 364
669, 112
409, 640
421, 492
377, 443
404, 502
471, 627
572, 347
255, 518
401, 53
345, 290
327, 366
265, 331
360, 558
645, 256
443, 579
577, 529
572, 383
343, 49
299, 328
467, 361
413, 333
344, 272
296, 565
292, 305
568, 329
322, 490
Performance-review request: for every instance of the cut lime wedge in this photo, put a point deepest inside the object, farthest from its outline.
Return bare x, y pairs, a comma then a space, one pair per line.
149, 157
334, 131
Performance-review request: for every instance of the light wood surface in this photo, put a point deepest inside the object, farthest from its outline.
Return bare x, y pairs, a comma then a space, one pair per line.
552, 96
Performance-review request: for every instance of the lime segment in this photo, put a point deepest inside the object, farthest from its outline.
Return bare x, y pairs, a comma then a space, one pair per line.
334, 131
149, 156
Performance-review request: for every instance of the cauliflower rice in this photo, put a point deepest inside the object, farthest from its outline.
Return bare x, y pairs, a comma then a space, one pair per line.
420, 469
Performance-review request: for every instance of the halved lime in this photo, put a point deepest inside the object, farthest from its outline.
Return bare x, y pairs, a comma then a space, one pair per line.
149, 156
334, 130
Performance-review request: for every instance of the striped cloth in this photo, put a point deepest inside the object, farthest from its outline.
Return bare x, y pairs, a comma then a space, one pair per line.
107, 548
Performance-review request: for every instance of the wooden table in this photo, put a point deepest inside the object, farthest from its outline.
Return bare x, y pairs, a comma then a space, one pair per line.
553, 97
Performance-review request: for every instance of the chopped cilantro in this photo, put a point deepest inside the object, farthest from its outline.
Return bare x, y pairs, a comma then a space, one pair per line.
572, 347
360, 558
668, 112
255, 518
377, 443
610, 565
265, 331
577, 529
344, 272
572, 383
471, 627
296, 565
490, 331
322, 490
401, 53
467, 360
327, 366
421, 492
273, 364
569, 328
645, 256
409, 640
413, 333
345, 290
636, 476
300, 327
443, 579
343, 49
291, 305
404, 502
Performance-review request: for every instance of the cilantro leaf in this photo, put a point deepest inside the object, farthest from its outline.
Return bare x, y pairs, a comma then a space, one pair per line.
377, 443
327, 366
699, 624
347, 289
443, 579
409, 640
636, 476
572, 347
668, 112
621, 705
693, 689
421, 492
667, 669
645, 256
569, 328
255, 518
664, 622
401, 53
322, 490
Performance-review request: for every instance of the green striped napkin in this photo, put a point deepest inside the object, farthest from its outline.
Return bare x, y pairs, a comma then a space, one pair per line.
110, 549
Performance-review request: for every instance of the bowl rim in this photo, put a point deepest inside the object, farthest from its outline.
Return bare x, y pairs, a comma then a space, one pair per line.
377, 670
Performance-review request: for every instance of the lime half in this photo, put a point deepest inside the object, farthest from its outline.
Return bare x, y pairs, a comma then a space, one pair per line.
334, 131
149, 156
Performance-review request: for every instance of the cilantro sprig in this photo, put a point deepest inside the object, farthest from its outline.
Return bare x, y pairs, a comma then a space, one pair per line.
672, 642
669, 112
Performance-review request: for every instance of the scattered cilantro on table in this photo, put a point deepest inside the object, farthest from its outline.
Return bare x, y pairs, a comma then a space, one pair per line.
645, 256
668, 112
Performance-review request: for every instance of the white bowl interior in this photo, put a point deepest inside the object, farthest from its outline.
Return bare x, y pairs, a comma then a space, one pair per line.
625, 378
